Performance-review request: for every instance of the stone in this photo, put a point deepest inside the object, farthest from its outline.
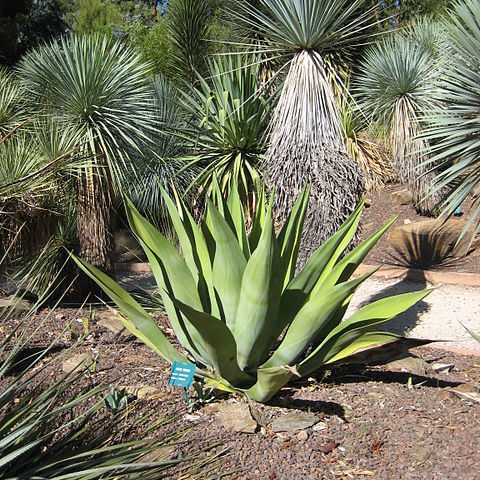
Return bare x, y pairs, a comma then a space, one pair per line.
18, 306
302, 436
112, 323
466, 391
127, 248
77, 362
236, 417
443, 367
161, 454
401, 197
143, 391
319, 427
411, 364
431, 241
294, 420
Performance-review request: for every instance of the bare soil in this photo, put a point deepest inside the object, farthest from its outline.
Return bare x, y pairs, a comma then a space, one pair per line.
381, 209
374, 423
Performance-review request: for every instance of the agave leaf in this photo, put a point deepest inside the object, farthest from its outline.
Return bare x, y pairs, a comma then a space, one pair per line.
291, 235
236, 210
474, 335
195, 250
269, 381
343, 270
299, 289
377, 348
368, 317
140, 323
310, 320
228, 267
219, 345
258, 222
259, 300
172, 276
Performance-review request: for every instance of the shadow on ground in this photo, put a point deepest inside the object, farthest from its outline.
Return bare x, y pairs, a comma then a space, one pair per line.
403, 323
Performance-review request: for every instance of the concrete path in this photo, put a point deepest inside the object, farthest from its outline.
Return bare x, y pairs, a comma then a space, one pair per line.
438, 316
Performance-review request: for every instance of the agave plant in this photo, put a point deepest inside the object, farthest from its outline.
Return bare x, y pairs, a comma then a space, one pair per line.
396, 87
230, 119
236, 306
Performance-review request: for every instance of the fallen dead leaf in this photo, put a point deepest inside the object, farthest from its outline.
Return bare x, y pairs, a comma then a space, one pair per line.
287, 444
326, 447
328, 460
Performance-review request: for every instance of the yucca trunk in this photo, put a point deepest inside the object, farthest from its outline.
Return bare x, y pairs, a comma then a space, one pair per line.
408, 151
307, 146
95, 228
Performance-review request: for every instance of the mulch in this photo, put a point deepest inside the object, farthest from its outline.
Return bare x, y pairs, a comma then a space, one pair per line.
373, 423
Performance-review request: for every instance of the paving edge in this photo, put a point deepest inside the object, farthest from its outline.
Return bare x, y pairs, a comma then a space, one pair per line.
431, 276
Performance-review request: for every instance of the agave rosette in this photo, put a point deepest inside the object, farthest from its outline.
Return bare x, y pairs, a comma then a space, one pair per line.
236, 306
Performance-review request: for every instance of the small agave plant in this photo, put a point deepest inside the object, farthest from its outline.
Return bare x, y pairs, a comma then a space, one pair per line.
236, 306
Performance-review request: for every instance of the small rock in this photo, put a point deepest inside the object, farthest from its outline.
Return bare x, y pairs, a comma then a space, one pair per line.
113, 324
368, 202
17, 305
302, 436
296, 420
407, 221
443, 367
77, 362
326, 447
401, 197
411, 364
466, 391
319, 427
159, 455
143, 391
236, 417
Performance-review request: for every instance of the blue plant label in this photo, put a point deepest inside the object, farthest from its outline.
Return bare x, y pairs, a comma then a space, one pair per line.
182, 374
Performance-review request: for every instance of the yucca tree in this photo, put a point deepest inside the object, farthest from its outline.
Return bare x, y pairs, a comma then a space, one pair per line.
12, 111
100, 89
230, 115
162, 167
306, 140
188, 29
454, 127
396, 87
364, 145
33, 190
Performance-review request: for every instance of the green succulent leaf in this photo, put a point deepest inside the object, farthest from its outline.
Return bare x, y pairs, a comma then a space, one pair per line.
228, 267
311, 320
291, 235
342, 338
218, 345
172, 276
318, 265
138, 322
269, 381
259, 300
